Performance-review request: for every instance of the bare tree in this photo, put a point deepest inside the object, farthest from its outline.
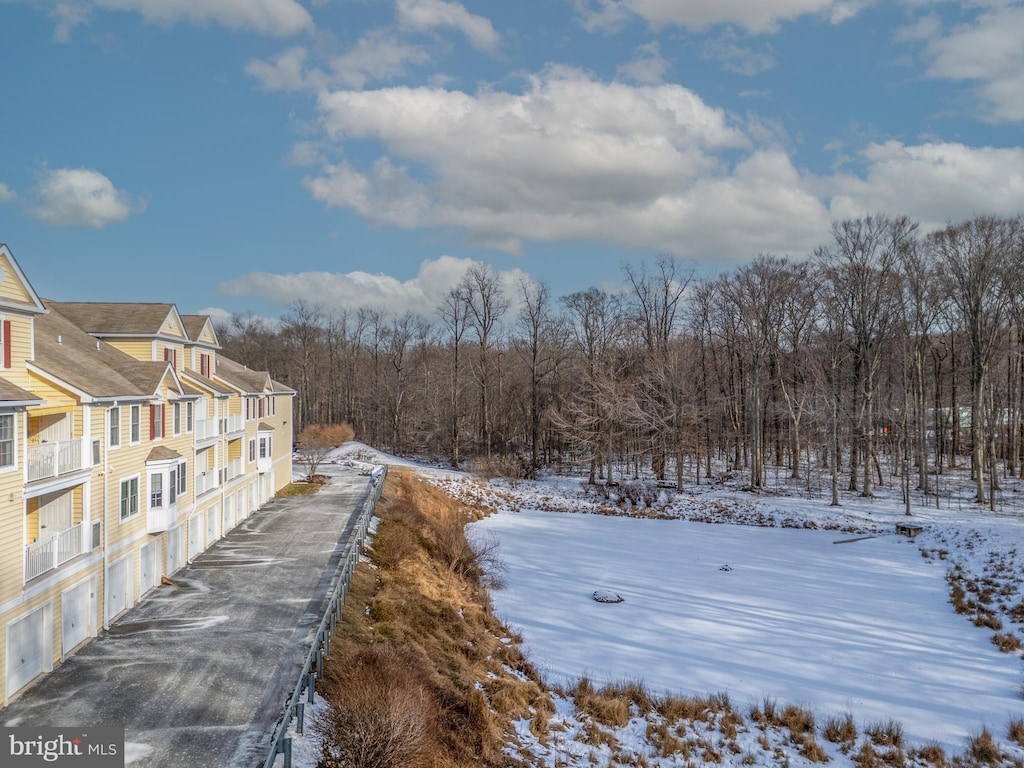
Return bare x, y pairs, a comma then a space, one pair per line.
486, 303
317, 441
861, 271
981, 260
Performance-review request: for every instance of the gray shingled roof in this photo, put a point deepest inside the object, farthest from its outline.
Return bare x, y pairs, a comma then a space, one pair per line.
122, 318
282, 388
209, 384
11, 393
162, 453
71, 355
240, 377
194, 325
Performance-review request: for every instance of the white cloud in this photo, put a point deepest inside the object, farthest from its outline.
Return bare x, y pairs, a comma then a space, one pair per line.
735, 57
934, 183
420, 295
427, 15
68, 16
286, 72
376, 57
272, 17
6, 194
755, 16
568, 159
648, 67
81, 197
990, 52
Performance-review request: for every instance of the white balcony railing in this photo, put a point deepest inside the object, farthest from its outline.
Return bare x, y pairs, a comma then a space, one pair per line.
234, 423
206, 428
43, 556
207, 481
54, 459
235, 469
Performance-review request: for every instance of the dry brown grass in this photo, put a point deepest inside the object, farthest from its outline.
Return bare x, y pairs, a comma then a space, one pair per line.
888, 733
298, 489
840, 730
607, 706
932, 754
1007, 642
1015, 730
982, 748
426, 599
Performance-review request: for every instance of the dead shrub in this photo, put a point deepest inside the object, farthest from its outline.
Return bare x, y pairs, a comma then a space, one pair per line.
811, 750
987, 620
866, 756
383, 714
606, 706
932, 754
1016, 613
767, 715
885, 734
1007, 642
982, 748
393, 543
543, 711
840, 730
799, 720
1015, 730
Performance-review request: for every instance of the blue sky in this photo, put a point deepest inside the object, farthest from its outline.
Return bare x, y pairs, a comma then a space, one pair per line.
239, 155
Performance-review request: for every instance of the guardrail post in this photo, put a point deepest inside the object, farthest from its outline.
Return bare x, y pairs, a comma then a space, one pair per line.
300, 716
310, 687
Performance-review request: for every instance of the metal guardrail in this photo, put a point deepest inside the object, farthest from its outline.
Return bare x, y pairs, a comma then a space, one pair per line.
313, 669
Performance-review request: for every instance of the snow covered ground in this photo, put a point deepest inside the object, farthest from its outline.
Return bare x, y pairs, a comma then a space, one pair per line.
769, 607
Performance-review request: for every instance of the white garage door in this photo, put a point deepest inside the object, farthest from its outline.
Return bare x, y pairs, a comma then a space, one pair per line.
78, 609
149, 566
119, 586
29, 648
195, 535
212, 519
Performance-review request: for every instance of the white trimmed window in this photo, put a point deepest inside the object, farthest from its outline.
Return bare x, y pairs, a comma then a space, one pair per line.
177, 418
156, 490
252, 450
114, 427
181, 477
129, 497
7, 452
188, 417
135, 433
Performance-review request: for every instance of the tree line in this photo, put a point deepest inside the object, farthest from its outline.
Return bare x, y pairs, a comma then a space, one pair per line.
887, 353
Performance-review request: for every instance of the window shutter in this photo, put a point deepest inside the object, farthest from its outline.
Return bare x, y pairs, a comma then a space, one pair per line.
163, 421
152, 421
7, 343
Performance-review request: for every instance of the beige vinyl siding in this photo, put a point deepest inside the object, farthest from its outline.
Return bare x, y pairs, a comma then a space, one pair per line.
12, 519
140, 350
11, 287
171, 327
21, 349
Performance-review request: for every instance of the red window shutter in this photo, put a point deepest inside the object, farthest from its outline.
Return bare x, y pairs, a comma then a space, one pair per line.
163, 421
152, 421
7, 343
167, 354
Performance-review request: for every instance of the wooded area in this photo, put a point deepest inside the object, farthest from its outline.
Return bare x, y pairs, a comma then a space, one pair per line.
887, 354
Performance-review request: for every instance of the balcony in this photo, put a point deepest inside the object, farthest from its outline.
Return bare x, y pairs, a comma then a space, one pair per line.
207, 481
43, 556
235, 469
55, 459
206, 429
160, 519
233, 423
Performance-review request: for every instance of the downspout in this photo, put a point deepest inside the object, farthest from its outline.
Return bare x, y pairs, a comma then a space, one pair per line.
106, 536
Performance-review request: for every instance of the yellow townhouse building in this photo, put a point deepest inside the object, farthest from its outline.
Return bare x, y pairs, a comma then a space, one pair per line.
128, 445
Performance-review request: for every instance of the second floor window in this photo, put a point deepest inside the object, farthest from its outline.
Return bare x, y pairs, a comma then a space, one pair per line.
114, 432
136, 424
177, 418
129, 497
156, 490
7, 440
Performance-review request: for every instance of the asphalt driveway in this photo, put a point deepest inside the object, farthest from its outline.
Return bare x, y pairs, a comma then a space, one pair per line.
199, 673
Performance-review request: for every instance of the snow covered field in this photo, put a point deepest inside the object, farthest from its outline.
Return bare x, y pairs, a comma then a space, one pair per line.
863, 626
